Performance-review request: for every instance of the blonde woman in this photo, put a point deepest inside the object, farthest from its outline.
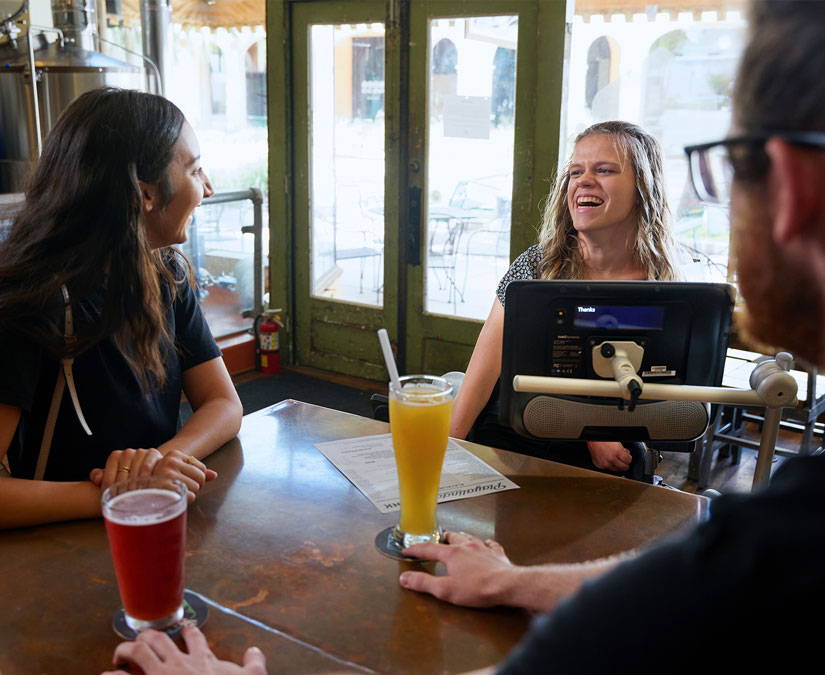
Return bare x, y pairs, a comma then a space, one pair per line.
606, 219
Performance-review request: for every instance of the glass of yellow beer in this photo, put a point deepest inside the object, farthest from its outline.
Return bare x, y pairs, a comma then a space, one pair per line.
420, 407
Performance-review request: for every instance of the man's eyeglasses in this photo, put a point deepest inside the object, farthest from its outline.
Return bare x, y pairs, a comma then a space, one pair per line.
714, 165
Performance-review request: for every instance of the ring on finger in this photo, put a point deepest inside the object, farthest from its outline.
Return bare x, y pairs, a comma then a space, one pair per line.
191, 460
124, 468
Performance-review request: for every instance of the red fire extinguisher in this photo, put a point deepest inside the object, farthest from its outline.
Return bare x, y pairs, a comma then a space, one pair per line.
267, 340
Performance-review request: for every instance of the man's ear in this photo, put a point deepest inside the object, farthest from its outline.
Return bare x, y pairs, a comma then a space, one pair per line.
150, 196
796, 187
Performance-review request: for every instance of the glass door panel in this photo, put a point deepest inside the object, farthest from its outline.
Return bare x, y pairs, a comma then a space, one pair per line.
479, 158
416, 170
471, 124
343, 131
346, 137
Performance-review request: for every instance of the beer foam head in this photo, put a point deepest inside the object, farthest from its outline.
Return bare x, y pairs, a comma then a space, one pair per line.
144, 507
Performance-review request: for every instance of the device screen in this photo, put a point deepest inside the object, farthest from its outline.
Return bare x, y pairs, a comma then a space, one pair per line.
619, 317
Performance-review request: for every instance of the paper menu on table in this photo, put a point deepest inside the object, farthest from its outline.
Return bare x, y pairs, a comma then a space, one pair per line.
369, 464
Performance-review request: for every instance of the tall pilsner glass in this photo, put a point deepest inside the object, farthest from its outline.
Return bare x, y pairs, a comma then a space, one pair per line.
146, 523
420, 422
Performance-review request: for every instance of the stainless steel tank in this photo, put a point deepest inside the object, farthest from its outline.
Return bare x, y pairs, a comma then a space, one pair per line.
64, 68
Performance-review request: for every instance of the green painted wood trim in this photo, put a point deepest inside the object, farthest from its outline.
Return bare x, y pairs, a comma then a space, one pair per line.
300, 171
393, 167
419, 50
280, 162
359, 352
551, 34
538, 97
539, 76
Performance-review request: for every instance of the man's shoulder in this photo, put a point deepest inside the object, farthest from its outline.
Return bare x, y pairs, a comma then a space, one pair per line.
756, 562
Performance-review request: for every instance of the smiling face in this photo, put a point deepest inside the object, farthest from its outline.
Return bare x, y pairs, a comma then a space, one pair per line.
166, 223
601, 192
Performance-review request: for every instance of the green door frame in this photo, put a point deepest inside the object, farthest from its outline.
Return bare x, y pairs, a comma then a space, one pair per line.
437, 343
325, 334
426, 343
279, 133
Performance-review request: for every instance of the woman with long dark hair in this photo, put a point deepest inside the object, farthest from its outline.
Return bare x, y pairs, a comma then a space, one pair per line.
605, 219
100, 330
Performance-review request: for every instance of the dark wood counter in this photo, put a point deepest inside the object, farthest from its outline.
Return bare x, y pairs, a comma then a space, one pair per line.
281, 546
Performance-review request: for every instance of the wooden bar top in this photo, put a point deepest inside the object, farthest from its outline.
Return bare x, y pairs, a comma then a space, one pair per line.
281, 547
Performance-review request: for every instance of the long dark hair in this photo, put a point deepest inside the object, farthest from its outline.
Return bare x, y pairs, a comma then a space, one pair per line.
81, 226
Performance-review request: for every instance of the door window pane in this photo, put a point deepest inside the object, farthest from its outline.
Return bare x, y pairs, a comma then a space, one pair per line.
346, 114
671, 72
472, 85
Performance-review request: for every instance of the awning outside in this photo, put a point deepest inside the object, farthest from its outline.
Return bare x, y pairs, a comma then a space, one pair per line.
238, 13
589, 8
208, 13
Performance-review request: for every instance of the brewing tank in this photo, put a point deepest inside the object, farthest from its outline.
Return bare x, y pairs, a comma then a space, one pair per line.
65, 67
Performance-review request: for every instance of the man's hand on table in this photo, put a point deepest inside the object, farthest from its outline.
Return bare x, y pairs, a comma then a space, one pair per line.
156, 654
479, 574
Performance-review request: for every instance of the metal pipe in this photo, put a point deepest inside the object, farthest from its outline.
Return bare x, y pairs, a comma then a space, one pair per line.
101, 28
770, 430
78, 20
257, 250
18, 12
736, 440
154, 66
51, 29
9, 27
256, 229
656, 392
768, 396
231, 196
154, 20
33, 72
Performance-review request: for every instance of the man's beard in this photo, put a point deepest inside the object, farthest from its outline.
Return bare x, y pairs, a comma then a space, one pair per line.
784, 308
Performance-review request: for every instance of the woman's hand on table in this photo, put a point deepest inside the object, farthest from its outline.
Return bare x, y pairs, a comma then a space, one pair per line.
610, 456
185, 468
175, 464
156, 654
124, 464
476, 571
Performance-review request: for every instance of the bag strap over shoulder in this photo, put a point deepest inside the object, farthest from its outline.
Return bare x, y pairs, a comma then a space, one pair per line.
64, 376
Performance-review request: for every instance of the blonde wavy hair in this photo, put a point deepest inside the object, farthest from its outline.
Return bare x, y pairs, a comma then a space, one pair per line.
561, 257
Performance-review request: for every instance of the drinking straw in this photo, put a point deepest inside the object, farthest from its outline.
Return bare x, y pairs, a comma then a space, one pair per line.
384, 339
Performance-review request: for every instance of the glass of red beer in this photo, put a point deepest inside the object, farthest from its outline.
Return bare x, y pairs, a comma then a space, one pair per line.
146, 523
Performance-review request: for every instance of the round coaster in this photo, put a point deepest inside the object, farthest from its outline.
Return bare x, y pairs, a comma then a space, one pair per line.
195, 613
388, 546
